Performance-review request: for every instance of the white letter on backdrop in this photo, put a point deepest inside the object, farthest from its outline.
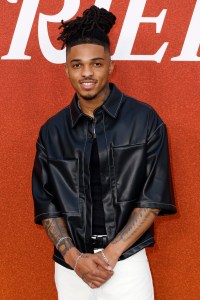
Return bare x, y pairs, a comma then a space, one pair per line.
129, 31
52, 54
22, 30
103, 3
192, 40
69, 10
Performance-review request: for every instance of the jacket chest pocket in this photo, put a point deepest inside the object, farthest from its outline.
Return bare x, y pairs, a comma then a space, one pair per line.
65, 183
129, 167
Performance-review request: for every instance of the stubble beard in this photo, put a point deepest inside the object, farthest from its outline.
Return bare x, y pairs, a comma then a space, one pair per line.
88, 97
92, 97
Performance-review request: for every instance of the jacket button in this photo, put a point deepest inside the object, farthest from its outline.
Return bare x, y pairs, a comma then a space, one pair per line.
89, 135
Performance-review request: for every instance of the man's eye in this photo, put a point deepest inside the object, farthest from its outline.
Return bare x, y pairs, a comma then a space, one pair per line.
97, 65
76, 66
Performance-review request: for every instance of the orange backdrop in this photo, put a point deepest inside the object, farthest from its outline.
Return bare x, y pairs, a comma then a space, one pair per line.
33, 90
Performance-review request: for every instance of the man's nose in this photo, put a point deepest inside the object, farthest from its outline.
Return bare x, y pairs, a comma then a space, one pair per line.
87, 71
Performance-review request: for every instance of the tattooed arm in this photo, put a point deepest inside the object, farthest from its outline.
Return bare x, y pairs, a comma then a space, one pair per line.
87, 267
140, 220
56, 229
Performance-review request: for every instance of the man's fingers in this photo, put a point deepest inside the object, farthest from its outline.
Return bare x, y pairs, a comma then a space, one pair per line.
93, 270
102, 263
94, 284
101, 275
97, 276
94, 275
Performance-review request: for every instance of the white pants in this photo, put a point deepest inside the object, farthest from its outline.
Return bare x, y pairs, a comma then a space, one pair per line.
131, 281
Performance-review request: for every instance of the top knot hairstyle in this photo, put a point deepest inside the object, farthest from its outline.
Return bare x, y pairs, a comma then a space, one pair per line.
91, 28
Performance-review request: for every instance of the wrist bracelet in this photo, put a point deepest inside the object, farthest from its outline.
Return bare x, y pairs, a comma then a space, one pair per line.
105, 257
76, 262
60, 241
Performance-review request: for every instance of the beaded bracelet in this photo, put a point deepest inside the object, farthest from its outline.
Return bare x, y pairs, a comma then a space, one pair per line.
60, 241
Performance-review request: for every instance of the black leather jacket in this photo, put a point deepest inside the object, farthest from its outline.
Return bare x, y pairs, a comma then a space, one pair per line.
134, 168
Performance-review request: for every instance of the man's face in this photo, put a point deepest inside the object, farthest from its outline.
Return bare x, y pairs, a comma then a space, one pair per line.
88, 67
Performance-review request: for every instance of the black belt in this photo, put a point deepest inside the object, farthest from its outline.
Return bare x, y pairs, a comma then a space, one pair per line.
99, 241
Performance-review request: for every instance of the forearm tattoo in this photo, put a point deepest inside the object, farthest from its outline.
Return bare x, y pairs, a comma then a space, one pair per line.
56, 229
135, 224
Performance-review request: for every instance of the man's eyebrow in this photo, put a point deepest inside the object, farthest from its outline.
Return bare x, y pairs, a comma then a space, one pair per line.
97, 58
79, 60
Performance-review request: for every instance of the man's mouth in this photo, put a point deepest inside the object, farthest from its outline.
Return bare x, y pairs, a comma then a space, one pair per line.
87, 85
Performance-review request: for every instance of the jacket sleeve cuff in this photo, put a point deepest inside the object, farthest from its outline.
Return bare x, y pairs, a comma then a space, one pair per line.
165, 209
46, 212
38, 219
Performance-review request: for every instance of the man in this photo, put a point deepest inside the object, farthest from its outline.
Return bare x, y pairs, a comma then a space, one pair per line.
101, 175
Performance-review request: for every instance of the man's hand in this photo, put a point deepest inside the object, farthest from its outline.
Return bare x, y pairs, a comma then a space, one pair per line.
139, 221
90, 267
93, 270
111, 256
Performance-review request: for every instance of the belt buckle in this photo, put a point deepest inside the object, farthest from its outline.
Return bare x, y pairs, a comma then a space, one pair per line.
94, 240
98, 241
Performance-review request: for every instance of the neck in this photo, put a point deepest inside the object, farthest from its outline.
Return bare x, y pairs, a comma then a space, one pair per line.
88, 106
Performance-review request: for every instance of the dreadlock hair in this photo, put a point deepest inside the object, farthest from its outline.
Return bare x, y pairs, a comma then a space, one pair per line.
91, 28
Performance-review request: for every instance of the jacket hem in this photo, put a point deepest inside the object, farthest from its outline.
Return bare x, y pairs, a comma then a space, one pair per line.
61, 262
131, 251
134, 249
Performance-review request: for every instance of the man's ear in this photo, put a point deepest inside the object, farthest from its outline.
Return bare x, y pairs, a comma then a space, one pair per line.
111, 67
67, 70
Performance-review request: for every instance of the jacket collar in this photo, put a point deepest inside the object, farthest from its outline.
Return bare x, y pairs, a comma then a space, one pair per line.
111, 105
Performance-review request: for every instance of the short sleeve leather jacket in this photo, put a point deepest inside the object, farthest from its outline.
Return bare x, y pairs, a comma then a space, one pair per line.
134, 168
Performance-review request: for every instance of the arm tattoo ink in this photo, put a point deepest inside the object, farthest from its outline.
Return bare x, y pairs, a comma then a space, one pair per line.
134, 224
56, 229
65, 246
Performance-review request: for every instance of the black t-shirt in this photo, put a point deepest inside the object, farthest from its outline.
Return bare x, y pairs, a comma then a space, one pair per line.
98, 217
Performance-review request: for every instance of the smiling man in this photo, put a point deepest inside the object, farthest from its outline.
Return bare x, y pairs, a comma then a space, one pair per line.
101, 175
88, 67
